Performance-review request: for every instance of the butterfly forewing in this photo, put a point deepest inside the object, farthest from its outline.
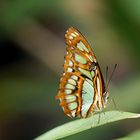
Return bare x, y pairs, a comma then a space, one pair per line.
81, 85
78, 46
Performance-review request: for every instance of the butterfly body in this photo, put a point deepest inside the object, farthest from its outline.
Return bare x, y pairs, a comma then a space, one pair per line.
82, 89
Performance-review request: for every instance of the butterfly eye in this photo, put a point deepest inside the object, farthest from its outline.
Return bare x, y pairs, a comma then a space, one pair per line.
93, 66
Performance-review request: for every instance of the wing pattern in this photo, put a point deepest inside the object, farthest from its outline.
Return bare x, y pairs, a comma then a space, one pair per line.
81, 85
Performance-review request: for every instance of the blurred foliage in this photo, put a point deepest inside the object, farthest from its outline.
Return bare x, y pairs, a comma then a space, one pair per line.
121, 17
133, 136
32, 47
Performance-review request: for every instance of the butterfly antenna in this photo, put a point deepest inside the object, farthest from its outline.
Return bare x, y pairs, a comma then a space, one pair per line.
115, 66
115, 106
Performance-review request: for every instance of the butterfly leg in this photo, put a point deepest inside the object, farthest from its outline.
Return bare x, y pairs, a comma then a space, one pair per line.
99, 117
114, 104
104, 114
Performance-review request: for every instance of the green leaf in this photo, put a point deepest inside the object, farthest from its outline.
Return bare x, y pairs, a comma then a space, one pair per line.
80, 125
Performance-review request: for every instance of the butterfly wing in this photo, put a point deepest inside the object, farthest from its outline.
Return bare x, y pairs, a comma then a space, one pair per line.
81, 84
78, 52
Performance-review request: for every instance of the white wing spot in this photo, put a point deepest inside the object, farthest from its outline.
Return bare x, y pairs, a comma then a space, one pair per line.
70, 98
72, 105
70, 37
68, 91
80, 59
73, 113
61, 79
90, 57
69, 69
60, 99
71, 81
76, 33
74, 77
81, 46
70, 63
85, 72
69, 86
73, 34
92, 73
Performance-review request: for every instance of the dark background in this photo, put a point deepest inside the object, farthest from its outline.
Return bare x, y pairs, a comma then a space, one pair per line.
32, 47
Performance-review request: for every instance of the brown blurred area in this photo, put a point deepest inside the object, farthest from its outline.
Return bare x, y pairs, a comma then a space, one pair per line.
32, 49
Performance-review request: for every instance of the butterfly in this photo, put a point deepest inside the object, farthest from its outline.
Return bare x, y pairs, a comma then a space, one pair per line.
82, 90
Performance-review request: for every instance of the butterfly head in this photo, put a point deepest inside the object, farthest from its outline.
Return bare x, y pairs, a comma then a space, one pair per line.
105, 98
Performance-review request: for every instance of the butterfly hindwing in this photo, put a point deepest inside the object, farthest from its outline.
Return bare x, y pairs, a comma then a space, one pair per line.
68, 93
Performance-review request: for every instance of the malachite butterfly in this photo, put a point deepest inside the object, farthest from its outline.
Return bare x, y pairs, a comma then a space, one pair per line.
82, 89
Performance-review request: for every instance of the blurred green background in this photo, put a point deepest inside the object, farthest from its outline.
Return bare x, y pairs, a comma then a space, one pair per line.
32, 47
